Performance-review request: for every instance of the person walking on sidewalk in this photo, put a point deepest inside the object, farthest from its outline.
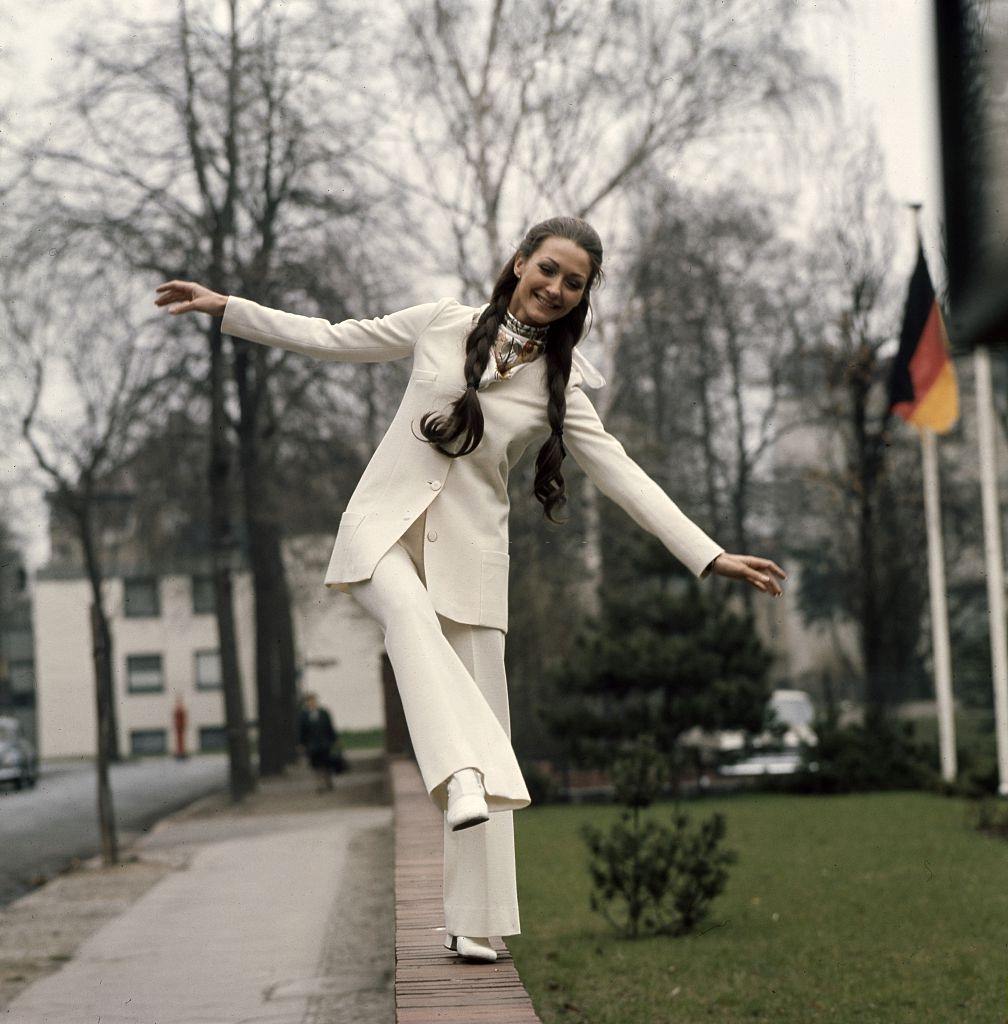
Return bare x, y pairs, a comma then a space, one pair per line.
423, 543
317, 734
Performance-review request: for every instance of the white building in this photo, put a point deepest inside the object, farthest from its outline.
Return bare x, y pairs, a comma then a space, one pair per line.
164, 644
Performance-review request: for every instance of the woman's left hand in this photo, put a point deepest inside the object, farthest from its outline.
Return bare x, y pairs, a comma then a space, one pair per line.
751, 568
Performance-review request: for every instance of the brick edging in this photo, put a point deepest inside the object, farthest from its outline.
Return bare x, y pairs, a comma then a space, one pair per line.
431, 983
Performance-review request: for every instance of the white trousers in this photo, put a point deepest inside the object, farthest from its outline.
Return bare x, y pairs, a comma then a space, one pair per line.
453, 687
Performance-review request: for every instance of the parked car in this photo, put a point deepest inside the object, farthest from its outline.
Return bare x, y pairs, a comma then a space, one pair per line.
18, 760
792, 709
786, 762
777, 750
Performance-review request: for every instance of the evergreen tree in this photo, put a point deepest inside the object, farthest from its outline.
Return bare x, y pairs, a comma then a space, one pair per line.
664, 655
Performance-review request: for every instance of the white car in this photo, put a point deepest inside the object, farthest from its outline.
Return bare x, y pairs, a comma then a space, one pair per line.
794, 710
18, 761
786, 763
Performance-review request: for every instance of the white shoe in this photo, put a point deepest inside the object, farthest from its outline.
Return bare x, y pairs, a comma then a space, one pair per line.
471, 948
467, 804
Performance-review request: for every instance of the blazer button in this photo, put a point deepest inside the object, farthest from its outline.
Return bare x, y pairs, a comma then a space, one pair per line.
432, 534
435, 485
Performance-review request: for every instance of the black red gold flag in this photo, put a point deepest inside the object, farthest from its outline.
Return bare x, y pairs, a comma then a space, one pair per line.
922, 381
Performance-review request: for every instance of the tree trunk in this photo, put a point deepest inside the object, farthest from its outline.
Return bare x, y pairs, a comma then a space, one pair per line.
101, 635
222, 545
286, 657
739, 498
106, 811
707, 417
871, 636
106, 739
591, 578
276, 689
865, 481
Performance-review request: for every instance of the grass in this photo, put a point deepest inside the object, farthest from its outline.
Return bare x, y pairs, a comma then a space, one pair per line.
870, 908
362, 739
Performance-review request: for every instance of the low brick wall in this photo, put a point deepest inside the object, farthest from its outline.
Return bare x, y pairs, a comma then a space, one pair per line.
433, 984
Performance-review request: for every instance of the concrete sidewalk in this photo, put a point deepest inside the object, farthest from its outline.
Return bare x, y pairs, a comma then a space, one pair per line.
279, 910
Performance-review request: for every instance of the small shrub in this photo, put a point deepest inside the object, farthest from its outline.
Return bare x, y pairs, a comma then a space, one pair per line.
977, 773
648, 877
859, 758
991, 816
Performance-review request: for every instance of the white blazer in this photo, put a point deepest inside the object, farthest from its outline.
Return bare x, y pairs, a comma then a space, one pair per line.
466, 542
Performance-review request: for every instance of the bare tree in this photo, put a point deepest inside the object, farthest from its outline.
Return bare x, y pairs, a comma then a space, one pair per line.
517, 107
518, 110
84, 388
704, 362
249, 179
859, 530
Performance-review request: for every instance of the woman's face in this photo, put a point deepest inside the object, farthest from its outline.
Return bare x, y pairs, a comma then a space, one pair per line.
551, 281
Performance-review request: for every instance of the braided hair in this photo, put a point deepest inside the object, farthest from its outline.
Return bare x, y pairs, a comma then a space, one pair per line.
464, 421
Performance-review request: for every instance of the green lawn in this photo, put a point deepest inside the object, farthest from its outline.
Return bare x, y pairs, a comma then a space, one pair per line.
869, 908
362, 739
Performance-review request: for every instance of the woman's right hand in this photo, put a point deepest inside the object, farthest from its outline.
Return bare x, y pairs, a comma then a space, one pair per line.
190, 298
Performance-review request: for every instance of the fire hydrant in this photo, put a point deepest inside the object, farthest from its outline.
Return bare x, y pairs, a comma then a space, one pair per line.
179, 718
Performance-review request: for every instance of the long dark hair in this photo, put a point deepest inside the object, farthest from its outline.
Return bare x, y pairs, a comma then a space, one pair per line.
465, 418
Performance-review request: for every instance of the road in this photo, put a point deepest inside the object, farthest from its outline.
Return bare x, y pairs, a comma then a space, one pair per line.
43, 829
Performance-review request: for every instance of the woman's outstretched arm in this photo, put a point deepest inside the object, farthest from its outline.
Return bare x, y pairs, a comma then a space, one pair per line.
378, 340
619, 477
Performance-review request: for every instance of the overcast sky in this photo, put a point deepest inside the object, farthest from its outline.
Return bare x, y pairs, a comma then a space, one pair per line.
881, 54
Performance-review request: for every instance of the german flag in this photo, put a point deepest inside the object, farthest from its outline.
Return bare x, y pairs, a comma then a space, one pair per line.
922, 381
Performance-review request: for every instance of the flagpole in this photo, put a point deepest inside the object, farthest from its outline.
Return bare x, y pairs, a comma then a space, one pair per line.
940, 647
993, 559
941, 651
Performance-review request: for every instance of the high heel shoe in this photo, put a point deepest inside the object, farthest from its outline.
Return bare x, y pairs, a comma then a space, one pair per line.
471, 948
467, 804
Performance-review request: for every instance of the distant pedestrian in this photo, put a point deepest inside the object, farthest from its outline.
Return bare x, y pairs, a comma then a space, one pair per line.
317, 735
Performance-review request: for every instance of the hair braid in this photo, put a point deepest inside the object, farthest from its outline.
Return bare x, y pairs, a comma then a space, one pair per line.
549, 486
465, 419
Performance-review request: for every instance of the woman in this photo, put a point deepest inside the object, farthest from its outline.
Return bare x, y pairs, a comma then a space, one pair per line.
423, 543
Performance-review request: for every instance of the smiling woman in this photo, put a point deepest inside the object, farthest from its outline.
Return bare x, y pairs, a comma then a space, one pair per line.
551, 284
423, 543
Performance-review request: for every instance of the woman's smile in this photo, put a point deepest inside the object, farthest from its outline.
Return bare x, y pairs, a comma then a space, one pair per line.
551, 281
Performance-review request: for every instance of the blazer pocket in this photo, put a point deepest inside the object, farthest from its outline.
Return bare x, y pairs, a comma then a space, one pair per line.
427, 375
349, 523
340, 560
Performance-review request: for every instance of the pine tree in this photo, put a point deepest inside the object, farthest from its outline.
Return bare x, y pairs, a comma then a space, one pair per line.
661, 658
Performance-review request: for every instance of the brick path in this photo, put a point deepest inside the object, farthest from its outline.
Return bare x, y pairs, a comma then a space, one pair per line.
433, 984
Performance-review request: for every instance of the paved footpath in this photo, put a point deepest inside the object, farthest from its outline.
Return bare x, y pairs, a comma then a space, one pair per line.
278, 911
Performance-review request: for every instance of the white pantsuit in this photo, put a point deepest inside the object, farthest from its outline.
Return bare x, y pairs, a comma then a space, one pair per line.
423, 545
454, 692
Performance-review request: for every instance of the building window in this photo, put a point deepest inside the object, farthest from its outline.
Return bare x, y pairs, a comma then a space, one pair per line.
203, 595
208, 672
22, 676
212, 737
144, 673
140, 597
148, 741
